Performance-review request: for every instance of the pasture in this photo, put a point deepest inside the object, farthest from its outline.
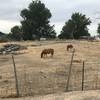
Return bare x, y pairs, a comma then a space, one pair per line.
41, 76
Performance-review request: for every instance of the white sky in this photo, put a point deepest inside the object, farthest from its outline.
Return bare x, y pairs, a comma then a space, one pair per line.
61, 11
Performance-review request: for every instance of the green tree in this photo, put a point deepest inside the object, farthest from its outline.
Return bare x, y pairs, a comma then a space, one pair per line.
35, 23
98, 30
75, 27
16, 33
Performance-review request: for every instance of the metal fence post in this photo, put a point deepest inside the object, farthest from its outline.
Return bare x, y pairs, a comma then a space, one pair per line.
83, 75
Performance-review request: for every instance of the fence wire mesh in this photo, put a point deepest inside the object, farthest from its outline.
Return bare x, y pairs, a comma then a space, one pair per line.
39, 82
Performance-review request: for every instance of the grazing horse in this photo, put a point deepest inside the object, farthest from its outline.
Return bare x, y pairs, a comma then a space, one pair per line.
70, 46
47, 51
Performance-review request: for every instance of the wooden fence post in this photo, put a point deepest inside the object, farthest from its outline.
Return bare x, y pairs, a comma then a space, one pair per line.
16, 79
97, 77
83, 75
70, 68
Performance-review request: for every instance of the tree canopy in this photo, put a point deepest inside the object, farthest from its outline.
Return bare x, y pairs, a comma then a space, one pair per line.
75, 27
35, 23
16, 33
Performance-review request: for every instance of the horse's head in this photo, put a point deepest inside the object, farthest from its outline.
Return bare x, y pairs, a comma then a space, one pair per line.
42, 54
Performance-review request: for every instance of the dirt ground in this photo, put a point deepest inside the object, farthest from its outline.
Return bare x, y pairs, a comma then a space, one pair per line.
49, 75
78, 95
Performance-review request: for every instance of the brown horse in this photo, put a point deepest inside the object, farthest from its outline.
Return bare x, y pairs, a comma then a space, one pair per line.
70, 46
47, 51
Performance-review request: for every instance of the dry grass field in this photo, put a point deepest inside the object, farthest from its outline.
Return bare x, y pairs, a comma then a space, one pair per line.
79, 95
49, 75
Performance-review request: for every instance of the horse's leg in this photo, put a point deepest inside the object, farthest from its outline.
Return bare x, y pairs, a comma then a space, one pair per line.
67, 48
46, 55
52, 54
41, 55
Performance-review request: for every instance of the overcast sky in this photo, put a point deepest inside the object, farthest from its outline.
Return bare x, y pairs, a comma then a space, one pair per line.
61, 11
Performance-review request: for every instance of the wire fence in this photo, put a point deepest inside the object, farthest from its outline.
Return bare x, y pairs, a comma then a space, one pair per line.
7, 80
83, 76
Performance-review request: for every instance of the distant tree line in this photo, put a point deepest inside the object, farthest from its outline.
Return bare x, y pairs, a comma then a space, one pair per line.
75, 27
35, 24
